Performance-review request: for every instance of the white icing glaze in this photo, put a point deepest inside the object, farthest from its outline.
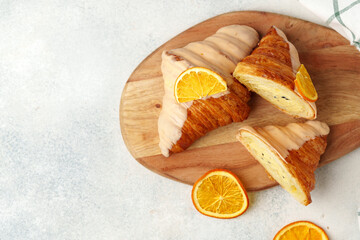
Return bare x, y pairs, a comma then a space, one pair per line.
282, 139
294, 55
220, 53
295, 63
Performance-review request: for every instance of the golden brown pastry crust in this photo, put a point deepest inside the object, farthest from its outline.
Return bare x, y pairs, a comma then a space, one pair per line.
206, 115
303, 162
271, 60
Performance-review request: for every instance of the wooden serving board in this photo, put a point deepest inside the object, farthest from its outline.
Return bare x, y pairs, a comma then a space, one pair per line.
333, 64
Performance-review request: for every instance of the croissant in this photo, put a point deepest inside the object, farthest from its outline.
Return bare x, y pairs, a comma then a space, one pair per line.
181, 124
270, 71
289, 154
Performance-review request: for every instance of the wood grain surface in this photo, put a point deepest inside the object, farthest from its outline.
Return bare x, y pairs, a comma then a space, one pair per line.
334, 68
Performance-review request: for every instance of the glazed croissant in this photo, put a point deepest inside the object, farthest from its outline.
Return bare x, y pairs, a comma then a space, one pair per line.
180, 124
289, 154
270, 71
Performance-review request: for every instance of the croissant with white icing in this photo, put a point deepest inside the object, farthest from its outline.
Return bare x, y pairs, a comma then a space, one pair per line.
180, 124
270, 71
290, 154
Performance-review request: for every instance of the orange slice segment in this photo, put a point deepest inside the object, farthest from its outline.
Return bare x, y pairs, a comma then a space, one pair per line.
304, 85
220, 194
196, 83
302, 230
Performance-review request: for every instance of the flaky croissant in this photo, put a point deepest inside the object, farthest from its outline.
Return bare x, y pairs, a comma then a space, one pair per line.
180, 124
270, 71
290, 154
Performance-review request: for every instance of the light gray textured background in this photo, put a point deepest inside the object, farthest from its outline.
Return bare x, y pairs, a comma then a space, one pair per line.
65, 172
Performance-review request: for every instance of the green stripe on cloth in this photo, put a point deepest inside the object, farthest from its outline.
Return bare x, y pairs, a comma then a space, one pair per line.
338, 17
342, 11
357, 43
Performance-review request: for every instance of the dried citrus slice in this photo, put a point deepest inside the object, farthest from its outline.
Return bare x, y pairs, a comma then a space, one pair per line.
302, 230
196, 83
219, 193
304, 85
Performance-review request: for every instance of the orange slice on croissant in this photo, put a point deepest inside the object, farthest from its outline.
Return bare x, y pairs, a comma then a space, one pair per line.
198, 82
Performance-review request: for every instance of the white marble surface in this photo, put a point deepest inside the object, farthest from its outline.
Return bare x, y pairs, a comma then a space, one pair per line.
65, 171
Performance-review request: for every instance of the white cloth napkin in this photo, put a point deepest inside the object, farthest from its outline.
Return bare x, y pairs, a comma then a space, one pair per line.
341, 15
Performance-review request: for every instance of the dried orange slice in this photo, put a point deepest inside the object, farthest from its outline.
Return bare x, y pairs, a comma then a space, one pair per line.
196, 83
304, 85
302, 230
220, 194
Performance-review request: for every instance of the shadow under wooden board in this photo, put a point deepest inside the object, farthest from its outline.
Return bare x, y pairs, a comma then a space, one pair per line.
334, 68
